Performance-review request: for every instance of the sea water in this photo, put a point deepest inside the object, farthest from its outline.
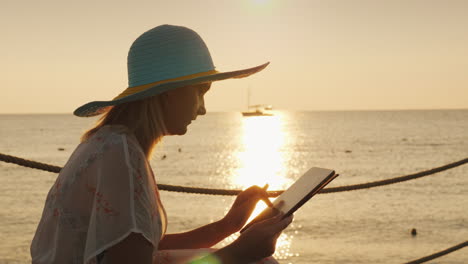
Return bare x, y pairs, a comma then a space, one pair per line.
228, 151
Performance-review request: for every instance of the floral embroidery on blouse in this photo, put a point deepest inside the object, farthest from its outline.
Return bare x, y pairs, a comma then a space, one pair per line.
102, 204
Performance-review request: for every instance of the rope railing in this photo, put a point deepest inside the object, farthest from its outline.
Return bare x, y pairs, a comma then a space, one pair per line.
197, 190
439, 254
175, 188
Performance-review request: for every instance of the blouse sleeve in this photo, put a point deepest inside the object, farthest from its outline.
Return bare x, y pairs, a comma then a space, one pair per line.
124, 201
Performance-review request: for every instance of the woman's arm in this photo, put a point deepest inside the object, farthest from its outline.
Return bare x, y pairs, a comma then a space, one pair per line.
209, 235
254, 244
133, 249
203, 237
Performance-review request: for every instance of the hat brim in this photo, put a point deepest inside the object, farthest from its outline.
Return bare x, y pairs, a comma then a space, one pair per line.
99, 107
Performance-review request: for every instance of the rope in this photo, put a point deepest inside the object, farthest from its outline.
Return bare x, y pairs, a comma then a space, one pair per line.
174, 188
185, 189
29, 163
439, 254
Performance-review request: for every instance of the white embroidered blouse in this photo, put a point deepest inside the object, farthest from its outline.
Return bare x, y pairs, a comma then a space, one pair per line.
105, 191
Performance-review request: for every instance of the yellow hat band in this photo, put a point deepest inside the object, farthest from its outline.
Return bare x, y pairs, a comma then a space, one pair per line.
140, 88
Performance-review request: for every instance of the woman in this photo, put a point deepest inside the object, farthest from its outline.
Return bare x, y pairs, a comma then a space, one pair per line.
104, 206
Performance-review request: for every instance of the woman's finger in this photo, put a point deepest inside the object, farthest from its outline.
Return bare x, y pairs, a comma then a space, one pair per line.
255, 193
275, 217
248, 194
280, 224
265, 196
279, 204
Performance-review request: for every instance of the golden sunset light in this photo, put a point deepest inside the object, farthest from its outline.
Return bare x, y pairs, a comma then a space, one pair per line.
137, 131
261, 160
260, 2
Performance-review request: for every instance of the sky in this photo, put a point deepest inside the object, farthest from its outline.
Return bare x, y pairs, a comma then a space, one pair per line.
56, 55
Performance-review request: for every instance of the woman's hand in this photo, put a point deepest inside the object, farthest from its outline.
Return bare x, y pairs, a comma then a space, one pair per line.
256, 242
243, 207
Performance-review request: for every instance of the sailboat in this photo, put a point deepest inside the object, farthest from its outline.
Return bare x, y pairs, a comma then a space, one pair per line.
256, 110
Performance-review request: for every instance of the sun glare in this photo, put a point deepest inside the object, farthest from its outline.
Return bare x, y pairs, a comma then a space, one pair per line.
262, 160
261, 7
260, 2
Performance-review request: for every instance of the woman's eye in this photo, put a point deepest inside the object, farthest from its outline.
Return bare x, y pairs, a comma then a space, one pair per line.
203, 90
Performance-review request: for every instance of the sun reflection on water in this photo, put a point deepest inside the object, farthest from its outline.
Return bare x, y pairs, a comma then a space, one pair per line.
262, 161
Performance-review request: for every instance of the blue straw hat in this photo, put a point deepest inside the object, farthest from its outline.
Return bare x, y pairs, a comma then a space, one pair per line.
164, 58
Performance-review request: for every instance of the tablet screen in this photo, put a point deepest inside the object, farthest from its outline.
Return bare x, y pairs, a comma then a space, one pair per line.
303, 189
298, 193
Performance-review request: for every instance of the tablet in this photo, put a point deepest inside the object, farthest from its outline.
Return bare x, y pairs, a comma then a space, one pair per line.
298, 194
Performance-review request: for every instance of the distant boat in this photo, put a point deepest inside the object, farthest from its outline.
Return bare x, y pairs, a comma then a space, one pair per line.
256, 110
259, 111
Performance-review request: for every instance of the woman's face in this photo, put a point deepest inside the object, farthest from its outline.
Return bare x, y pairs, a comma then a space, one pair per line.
183, 105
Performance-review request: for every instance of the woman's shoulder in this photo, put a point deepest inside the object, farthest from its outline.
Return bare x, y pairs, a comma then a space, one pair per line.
120, 135
108, 140
110, 143
112, 135
111, 131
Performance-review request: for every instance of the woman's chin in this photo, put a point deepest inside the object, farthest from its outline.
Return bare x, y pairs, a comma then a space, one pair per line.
178, 132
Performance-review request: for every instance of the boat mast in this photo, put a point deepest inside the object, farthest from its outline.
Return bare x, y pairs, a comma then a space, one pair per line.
248, 97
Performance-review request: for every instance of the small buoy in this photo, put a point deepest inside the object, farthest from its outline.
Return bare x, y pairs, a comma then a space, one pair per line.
164, 157
348, 151
180, 150
61, 149
414, 232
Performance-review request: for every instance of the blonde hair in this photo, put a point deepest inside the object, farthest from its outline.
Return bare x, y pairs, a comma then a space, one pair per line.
144, 118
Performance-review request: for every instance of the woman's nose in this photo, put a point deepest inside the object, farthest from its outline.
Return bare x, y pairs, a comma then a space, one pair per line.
201, 106
201, 110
